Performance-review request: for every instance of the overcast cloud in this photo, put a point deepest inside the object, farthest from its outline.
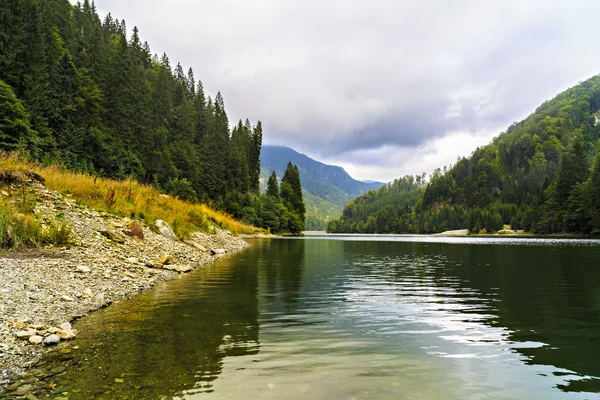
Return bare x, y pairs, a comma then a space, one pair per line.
383, 88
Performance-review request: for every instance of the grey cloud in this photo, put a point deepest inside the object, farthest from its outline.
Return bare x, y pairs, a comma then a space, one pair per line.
333, 78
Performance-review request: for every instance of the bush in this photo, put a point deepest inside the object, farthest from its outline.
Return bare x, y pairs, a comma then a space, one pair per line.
18, 230
59, 232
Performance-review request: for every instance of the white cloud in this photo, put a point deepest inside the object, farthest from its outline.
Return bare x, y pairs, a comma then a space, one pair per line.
336, 79
398, 161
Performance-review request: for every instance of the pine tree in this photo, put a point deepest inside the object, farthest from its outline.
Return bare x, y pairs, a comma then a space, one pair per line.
273, 186
573, 169
593, 195
291, 195
254, 158
14, 120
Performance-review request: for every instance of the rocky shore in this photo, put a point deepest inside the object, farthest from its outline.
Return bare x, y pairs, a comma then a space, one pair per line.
43, 290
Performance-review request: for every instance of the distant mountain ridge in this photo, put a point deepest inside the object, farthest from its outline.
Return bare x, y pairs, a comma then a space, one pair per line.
329, 182
330, 186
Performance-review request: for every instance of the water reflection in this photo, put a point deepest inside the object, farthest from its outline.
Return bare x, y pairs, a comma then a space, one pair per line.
167, 342
542, 302
356, 318
282, 269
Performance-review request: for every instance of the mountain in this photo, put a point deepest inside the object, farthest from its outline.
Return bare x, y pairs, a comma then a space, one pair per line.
541, 175
328, 187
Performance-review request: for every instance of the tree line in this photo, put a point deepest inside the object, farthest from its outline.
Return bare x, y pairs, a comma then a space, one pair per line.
76, 90
541, 175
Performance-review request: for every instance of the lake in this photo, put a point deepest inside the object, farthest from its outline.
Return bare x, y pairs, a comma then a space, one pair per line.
355, 317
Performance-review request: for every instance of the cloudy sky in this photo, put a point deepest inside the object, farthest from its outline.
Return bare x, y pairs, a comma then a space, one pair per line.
383, 88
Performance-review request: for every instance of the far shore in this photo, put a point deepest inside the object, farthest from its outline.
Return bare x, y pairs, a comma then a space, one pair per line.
465, 233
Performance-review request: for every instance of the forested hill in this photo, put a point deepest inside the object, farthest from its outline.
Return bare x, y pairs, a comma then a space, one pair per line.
541, 175
326, 187
81, 92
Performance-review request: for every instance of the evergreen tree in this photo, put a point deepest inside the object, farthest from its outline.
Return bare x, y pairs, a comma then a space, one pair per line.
15, 129
291, 195
573, 169
593, 195
273, 186
254, 158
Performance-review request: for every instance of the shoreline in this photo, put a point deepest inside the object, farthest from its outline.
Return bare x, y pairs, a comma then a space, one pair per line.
47, 287
465, 233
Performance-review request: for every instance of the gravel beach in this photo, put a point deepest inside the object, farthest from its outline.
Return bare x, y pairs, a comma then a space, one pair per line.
43, 290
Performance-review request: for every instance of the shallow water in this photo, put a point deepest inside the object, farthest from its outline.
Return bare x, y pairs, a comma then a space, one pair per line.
355, 317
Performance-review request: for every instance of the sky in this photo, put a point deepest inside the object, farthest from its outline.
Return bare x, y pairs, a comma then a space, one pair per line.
381, 88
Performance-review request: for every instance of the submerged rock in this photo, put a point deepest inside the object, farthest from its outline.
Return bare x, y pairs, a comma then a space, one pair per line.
87, 273
178, 268
67, 334
23, 390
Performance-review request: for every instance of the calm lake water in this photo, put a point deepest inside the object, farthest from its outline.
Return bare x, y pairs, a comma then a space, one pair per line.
355, 317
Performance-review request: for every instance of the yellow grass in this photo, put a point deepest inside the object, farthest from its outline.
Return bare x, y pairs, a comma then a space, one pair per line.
131, 199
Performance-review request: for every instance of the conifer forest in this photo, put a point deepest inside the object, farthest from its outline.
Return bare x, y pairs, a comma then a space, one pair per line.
78, 91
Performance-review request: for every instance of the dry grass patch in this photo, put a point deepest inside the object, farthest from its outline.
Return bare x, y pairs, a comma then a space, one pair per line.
129, 198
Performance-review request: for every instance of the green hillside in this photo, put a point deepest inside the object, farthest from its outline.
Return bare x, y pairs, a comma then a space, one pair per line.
541, 175
326, 187
319, 212
90, 95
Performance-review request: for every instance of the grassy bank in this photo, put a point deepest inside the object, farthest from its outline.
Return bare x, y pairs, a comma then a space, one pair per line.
19, 227
125, 198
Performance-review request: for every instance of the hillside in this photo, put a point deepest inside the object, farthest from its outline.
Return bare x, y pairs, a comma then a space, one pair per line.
541, 175
329, 187
98, 253
88, 94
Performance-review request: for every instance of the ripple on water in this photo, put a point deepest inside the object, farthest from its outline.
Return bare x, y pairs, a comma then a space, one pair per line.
358, 317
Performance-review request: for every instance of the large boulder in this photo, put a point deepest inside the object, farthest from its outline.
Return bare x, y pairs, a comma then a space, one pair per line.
164, 229
135, 230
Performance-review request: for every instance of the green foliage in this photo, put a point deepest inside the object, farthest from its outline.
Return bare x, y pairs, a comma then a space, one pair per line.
181, 188
279, 214
22, 229
75, 90
319, 212
535, 176
330, 183
14, 121
291, 196
389, 209
273, 186
59, 232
